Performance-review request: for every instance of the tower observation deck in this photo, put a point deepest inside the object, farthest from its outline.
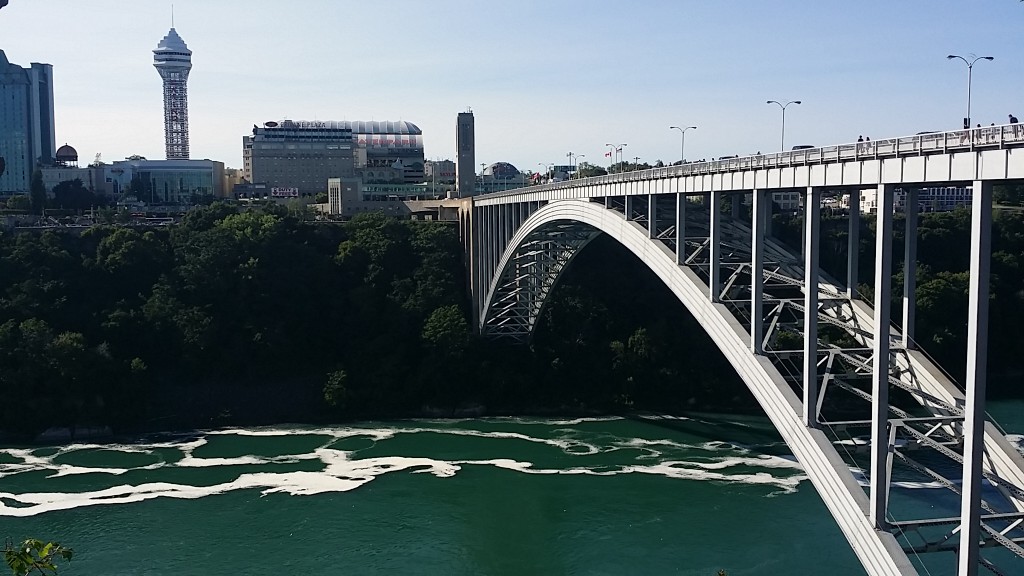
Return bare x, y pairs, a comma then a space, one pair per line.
173, 60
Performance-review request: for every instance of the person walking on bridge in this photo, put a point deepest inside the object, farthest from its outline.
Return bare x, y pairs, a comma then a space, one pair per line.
1016, 128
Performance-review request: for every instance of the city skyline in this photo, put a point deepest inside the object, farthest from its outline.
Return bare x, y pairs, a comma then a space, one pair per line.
542, 79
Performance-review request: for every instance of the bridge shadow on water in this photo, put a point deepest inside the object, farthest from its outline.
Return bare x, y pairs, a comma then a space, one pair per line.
753, 433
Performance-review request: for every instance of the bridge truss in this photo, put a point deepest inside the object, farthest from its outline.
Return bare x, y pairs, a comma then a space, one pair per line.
864, 430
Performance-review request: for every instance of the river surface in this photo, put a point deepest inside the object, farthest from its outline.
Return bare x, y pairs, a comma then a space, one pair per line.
650, 495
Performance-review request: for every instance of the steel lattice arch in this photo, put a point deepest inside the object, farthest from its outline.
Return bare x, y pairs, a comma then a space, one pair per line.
861, 405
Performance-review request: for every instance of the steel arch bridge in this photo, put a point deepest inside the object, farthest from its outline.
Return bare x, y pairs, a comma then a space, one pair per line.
750, 292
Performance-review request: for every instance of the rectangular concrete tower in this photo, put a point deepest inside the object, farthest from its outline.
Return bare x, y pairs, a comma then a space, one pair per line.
465, 165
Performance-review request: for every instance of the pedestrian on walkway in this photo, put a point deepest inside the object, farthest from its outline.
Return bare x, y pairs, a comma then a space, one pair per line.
1016, 127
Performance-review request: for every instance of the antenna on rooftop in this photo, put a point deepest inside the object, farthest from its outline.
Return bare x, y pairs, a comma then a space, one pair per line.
172, 15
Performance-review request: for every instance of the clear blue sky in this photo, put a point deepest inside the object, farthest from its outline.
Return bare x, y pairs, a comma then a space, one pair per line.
544, 77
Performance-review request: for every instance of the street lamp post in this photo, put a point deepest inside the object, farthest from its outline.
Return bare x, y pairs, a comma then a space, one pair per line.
570, 155
783, 106
970, 69
682, 141
616, 151
576, 171
547, 169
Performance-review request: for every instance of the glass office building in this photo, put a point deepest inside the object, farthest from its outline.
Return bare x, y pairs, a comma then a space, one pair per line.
169, 181
26, 122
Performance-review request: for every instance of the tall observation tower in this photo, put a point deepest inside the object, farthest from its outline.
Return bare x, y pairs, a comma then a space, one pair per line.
173, 60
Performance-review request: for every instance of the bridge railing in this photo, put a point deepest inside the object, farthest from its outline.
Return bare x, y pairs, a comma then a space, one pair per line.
981, 138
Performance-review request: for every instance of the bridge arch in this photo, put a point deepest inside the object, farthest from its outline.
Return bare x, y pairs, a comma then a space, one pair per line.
543, 247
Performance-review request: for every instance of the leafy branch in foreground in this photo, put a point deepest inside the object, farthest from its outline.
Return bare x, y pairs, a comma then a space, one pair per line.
35, 557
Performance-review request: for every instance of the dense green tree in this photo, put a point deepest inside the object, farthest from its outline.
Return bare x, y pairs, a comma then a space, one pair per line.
137, 187
247, 312
586, 170
19, 202
35, 556
334, 389
447, 331
37, 192
73, 195
1009, 194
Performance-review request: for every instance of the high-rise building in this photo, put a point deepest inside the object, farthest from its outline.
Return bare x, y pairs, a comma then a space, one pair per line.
465, 161
173, 60
26, 122
304, 154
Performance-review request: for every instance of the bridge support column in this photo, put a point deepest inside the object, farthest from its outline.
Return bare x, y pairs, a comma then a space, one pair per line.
680, 228
812, 218
881, 455
473, 229
977, 373
486, 244
853, 246
652, 216
760, 199
510, 225
495, 243
910, 268
803, 230
715, 247
479, 258
629, 201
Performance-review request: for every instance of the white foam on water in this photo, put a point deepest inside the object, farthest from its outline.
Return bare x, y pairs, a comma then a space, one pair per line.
572, 421
764, 461
379, 434
189, 461
342, 473
663, 417
68, 470
334, 433
682, 471
674, 470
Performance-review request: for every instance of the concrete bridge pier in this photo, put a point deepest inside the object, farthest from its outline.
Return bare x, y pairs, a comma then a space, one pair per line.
652, 216
680, 228
910, 207
761, 206
881, 459
853, 244
812, 224
977, 378
715, 247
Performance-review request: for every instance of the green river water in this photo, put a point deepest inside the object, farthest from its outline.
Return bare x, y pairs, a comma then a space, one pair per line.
651, 495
